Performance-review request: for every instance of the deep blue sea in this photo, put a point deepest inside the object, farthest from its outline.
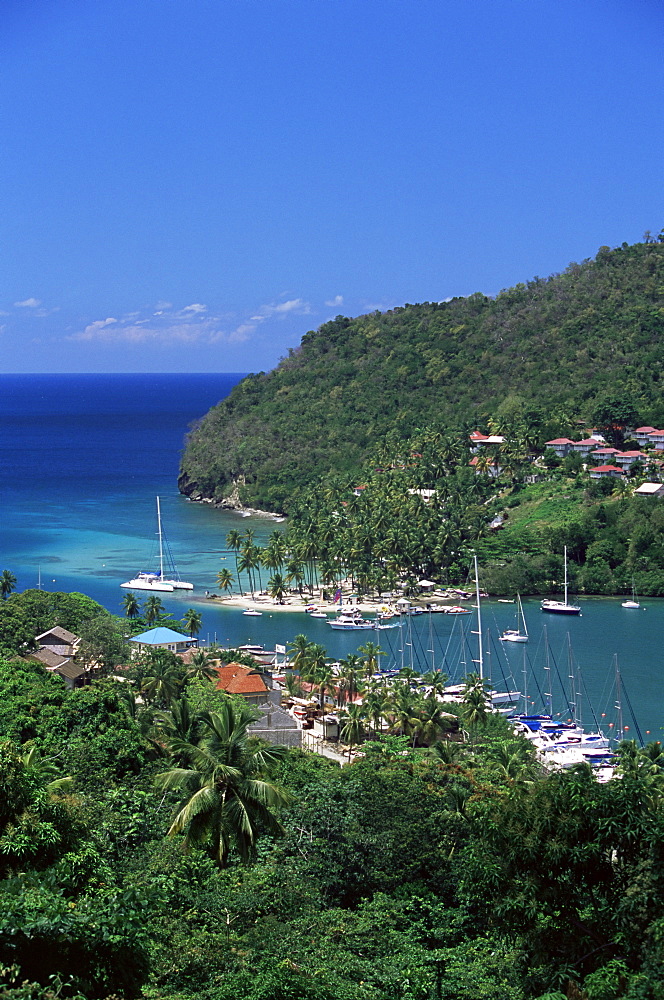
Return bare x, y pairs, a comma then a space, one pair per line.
82, 459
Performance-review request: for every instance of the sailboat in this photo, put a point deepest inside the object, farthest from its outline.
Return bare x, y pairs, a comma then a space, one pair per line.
631, 602
561, 607
155, 581
515, 634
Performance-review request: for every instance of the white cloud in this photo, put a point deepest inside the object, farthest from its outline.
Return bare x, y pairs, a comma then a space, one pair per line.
191, 324
28, 304
142, 331
93, 330
338, 300
277, 310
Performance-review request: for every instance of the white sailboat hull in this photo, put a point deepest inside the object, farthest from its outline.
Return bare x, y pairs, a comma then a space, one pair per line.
152, 583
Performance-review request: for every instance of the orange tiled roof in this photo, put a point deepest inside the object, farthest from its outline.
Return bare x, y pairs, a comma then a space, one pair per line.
237, 679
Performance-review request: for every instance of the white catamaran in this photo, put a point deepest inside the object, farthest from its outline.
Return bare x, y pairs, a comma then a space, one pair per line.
154, 581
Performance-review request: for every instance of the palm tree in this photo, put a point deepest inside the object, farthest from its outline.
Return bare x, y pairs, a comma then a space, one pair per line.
295, 573
132, 608
162, 683
299, 652
192, 621
225, 579
433, 721
249, 561
349, 677
352, 730
7, 583
375, 705
179, 724
153, 609
293, 686
234, 542
371, 651
276, 588
446, 752
474, 709
200, 666
436, 680
227, 798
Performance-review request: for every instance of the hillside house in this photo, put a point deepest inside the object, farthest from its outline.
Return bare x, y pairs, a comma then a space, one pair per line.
605, 472
626, 459
479, 440
587, 445
650, 490
561, 446
642, 435
57, 650
603, 455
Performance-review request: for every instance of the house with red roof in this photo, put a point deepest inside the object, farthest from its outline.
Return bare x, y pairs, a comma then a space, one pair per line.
605, 472
626, 459
587, 445
561, 446
642, 434
603, 455
245, 681
479, 440
657, 439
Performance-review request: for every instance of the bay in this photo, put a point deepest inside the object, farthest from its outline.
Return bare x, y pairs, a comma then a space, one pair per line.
82, 458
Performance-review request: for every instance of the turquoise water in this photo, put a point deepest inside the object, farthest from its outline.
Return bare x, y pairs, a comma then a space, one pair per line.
82, 459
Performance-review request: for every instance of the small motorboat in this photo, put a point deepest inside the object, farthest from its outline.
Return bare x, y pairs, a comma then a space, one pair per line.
252, 613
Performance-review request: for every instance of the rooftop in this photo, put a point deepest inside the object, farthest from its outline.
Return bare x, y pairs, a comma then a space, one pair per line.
159, 635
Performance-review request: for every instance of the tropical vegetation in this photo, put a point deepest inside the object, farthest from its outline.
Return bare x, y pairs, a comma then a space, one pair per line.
554, 343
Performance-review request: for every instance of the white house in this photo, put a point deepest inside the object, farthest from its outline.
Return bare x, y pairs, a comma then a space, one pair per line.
605, 471
650, 490
561, 446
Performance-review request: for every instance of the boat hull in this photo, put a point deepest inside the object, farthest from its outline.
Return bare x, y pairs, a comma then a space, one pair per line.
558, 608
155, 586
350, 628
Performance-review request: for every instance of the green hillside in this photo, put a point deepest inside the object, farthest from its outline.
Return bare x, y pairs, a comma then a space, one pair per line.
558, 344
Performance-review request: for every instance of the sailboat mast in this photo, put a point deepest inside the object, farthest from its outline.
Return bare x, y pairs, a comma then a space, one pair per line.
161, 544
565, 575
480, 659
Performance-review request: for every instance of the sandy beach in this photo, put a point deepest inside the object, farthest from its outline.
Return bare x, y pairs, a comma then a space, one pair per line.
295, 603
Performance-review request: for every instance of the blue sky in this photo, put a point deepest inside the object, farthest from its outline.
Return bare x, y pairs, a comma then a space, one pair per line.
191, 185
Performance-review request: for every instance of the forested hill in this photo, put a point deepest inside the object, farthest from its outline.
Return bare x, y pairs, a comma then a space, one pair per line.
559, 343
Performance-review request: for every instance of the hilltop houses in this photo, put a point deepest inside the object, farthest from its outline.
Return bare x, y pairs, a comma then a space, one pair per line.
57, 652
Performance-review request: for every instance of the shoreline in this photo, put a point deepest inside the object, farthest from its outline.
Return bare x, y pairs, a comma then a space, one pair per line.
261, 602
236, 508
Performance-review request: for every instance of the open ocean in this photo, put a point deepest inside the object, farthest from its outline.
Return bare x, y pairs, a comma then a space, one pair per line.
82, 458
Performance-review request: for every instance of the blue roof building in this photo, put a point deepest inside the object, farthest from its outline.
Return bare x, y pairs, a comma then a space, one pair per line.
163, 638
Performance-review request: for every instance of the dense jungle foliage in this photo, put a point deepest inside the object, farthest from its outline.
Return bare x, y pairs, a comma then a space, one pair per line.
461, 871
558, 343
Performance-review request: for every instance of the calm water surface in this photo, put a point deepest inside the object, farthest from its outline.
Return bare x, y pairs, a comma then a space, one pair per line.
82, 459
